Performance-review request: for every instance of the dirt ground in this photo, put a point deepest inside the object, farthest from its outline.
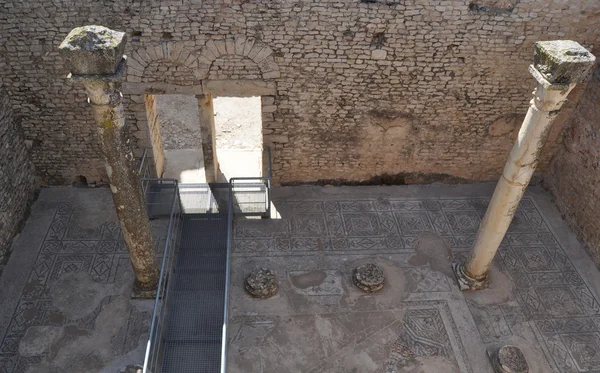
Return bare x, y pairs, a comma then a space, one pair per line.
237, 122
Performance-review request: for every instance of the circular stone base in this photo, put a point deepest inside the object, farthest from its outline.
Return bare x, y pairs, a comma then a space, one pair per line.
510, 359
368, 277
262, 283
132, 369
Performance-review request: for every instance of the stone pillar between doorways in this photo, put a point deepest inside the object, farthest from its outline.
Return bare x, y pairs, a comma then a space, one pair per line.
558, 67
158, 151
209, 139
94, 55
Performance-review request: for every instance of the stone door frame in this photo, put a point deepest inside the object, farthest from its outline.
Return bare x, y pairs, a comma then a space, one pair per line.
139, 91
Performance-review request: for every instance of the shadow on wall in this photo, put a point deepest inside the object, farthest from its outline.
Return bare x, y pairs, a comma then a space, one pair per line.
573, 177
403, 178
18, 184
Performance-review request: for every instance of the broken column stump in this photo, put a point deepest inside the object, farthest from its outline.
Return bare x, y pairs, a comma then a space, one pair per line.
509, 359
262, 283
368, 277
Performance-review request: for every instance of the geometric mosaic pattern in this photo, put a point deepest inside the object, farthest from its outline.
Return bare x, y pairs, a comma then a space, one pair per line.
68, 247
424, 333
376, 225
549, 294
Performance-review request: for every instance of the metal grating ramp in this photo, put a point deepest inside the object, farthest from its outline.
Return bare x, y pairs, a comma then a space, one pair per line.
195, 322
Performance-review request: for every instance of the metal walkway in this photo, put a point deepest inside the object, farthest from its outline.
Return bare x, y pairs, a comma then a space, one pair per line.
190, 319
195, 321
188, 333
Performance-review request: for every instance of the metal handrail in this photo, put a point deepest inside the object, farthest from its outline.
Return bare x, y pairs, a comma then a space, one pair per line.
142, 167
153, 346
144, 170
227, 279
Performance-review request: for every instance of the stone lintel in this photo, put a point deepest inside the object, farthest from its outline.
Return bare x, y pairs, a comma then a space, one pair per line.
93, 50
222, 88
226, 88
562, 61
134, 88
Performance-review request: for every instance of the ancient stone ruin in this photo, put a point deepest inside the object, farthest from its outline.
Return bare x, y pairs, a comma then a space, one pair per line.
382, 167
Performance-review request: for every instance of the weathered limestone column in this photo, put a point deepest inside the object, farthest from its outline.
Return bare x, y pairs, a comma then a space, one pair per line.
558, 67
95, 57
209, 137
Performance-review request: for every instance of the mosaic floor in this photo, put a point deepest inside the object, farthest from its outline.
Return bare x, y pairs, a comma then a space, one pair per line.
73, 313
64, 304
540, 301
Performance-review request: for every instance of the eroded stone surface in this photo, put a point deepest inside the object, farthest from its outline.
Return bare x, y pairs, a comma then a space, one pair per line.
74, 313
262, 283
38, 340
369, 277
562, 61
76, 294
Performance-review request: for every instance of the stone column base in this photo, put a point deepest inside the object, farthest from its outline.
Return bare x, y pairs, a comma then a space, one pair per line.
137, 293
508, 359
466, 282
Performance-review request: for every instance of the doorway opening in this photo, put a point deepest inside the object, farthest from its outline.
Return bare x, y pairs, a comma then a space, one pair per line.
238, 125
180, 131
237, 136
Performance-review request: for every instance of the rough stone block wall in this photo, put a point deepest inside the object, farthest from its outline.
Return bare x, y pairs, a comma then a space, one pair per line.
574, 174
166, 72
399, 91
18, 185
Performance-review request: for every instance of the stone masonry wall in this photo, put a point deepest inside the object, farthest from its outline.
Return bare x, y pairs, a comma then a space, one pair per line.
574, 174
18, 185
233, 67
366, 90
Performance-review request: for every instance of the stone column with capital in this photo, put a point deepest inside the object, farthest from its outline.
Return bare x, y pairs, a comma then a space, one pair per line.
95, 57
558, 66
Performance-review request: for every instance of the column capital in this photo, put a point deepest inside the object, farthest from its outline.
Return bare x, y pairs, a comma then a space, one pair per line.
94, 52
548, 96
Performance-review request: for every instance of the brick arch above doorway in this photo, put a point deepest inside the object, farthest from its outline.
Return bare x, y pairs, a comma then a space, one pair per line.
173, 54
240, 46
